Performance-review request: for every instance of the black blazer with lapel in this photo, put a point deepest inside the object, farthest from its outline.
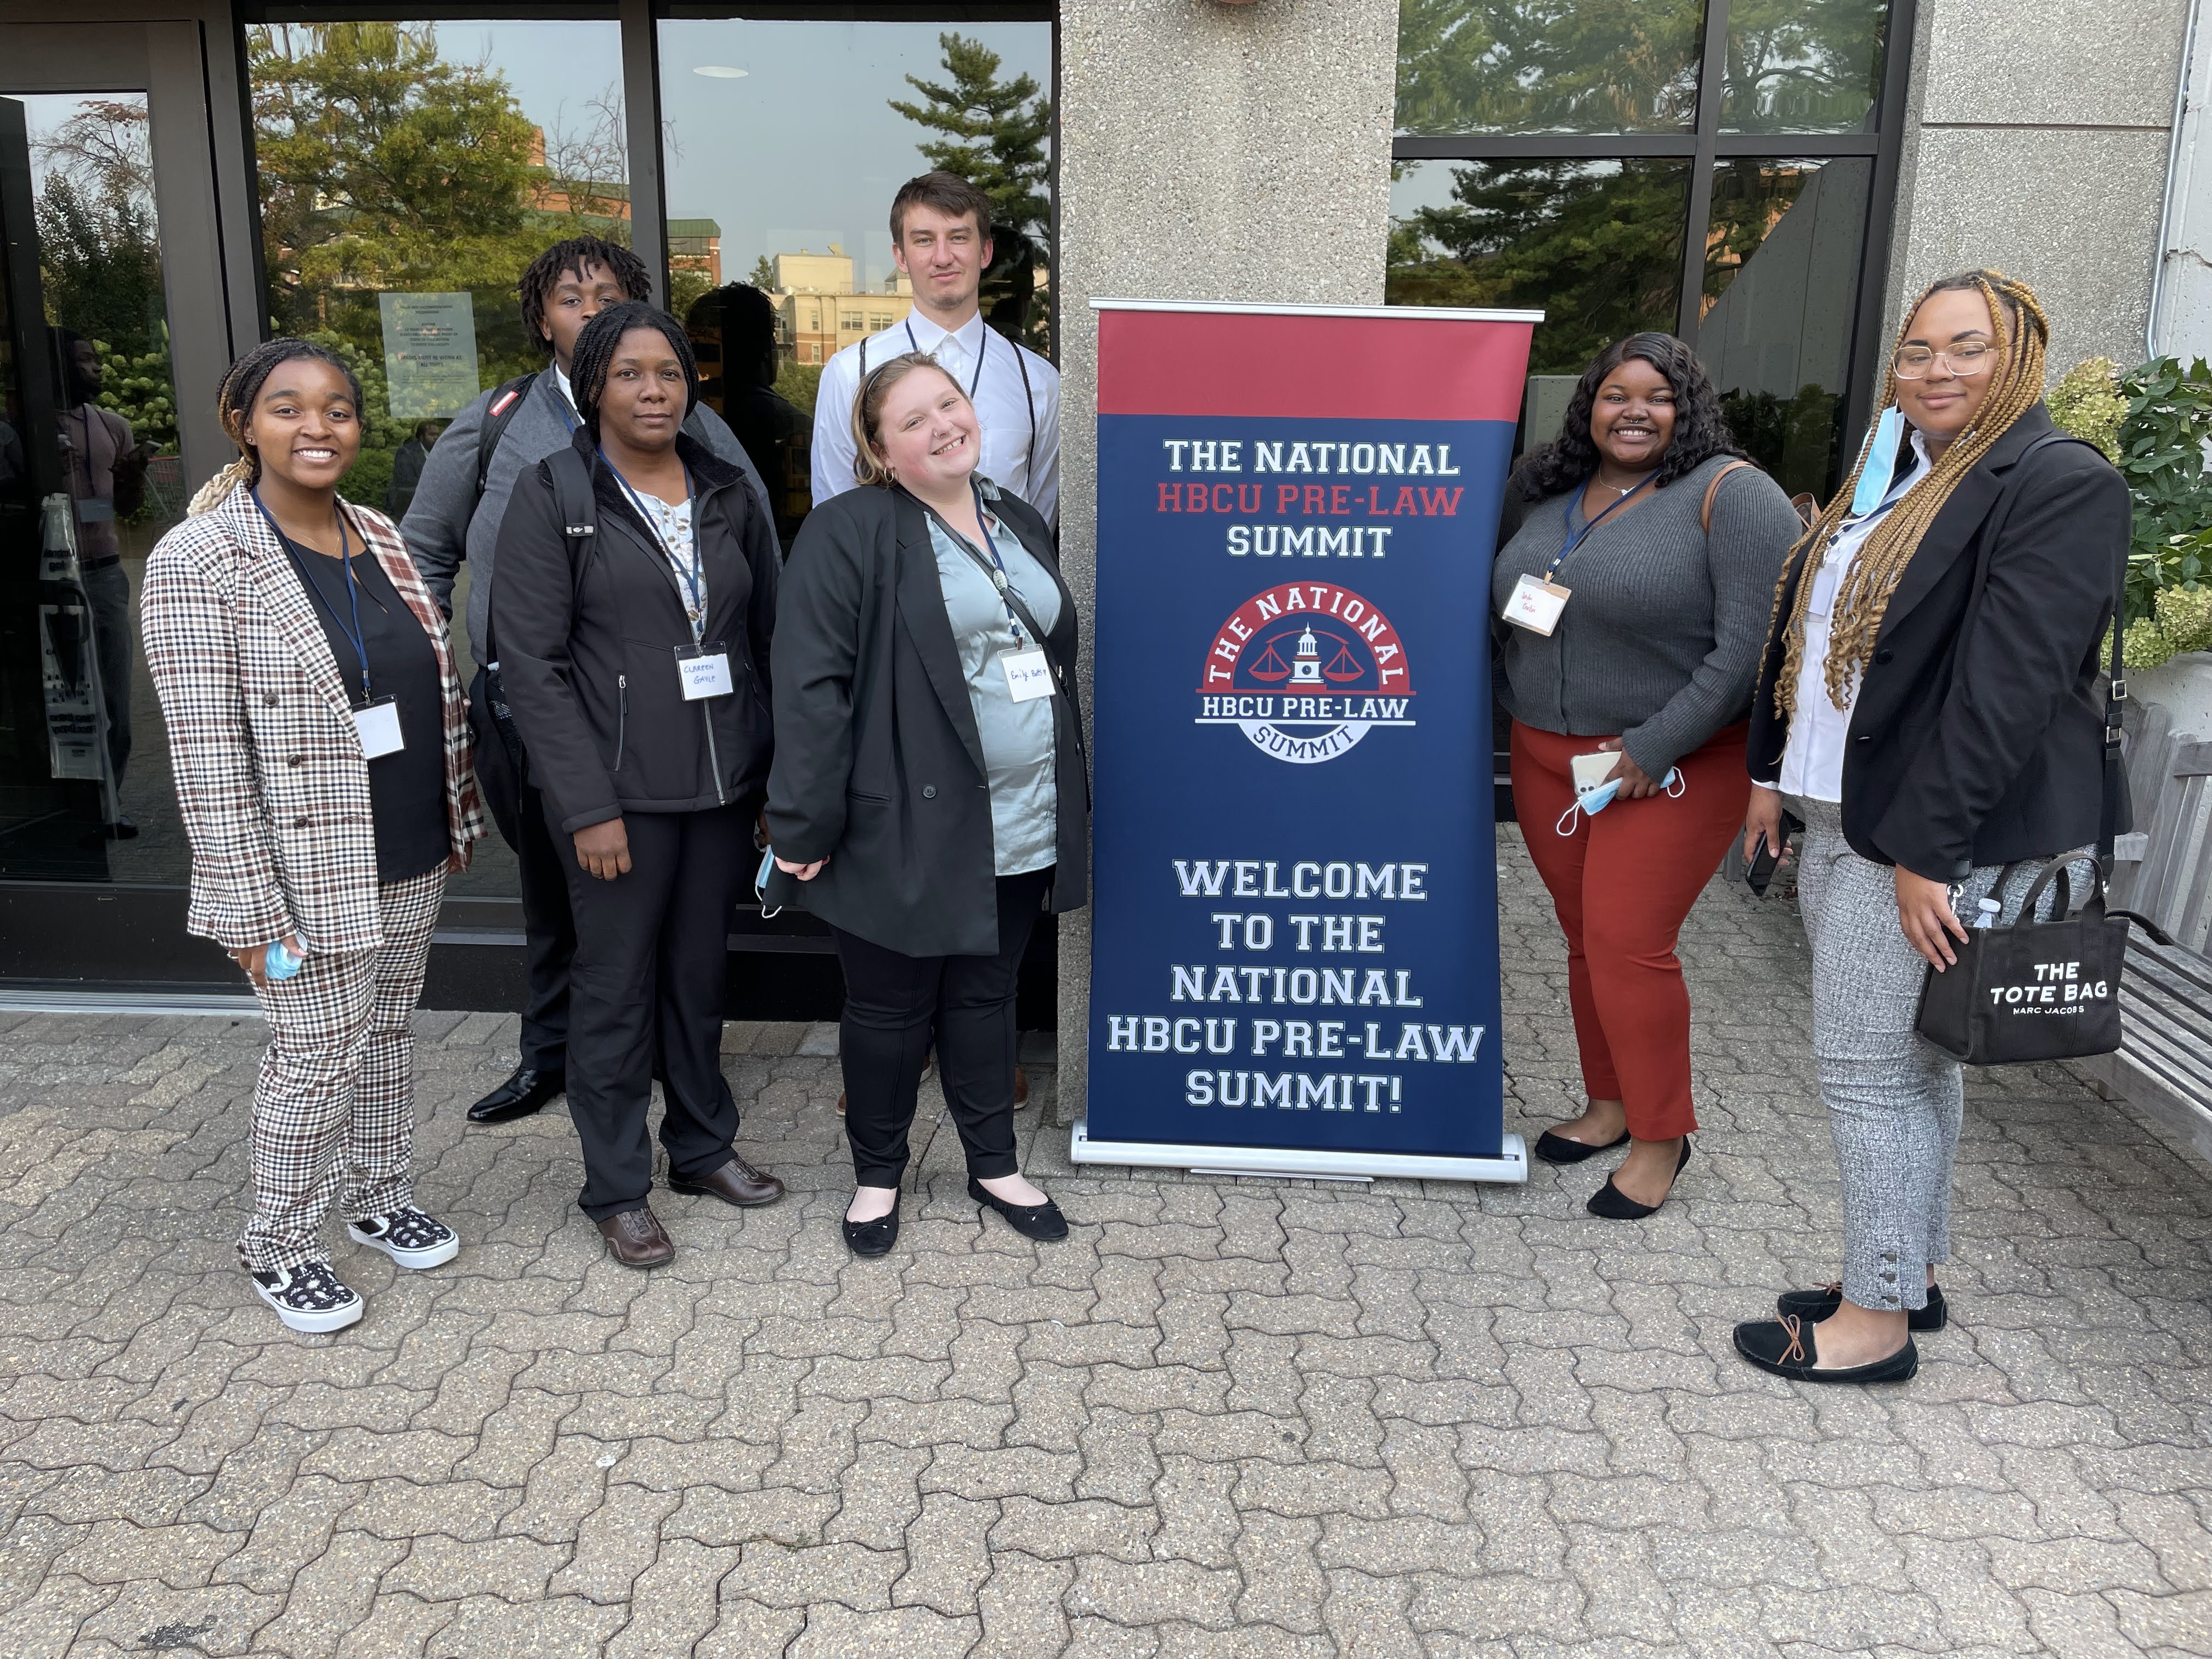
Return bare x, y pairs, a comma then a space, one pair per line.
1976, 740
879, 765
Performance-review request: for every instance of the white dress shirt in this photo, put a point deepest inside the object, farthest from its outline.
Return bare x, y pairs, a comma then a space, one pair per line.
1019, 416
1812, 760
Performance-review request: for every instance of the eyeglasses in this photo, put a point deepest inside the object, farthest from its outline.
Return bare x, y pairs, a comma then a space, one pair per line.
1914, 363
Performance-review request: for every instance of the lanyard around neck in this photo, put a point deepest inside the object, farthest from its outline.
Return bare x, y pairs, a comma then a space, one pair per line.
983, 351
352, 630
995, 568
1582, 535
692, 575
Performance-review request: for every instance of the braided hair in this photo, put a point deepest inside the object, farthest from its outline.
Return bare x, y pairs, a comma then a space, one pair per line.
595, 347
1863, 598
1701, 430
233, 405
579, 254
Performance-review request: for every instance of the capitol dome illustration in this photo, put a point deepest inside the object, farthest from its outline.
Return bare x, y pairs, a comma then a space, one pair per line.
1305, 666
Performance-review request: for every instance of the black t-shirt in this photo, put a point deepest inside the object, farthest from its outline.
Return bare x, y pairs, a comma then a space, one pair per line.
406, 789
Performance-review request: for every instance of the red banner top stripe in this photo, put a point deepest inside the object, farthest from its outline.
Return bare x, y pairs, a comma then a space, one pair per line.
1405, 368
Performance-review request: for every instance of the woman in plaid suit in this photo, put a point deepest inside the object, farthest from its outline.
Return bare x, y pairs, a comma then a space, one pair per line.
320, 746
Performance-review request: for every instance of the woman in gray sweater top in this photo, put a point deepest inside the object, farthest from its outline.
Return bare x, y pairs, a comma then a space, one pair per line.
1632, 606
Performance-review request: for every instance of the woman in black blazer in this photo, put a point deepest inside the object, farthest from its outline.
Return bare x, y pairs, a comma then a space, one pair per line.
634, 658
929, 797
1929, 704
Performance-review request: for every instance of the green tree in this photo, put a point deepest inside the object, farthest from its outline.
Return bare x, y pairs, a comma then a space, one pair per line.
764, 277
995, 135
101, 265
1548, 65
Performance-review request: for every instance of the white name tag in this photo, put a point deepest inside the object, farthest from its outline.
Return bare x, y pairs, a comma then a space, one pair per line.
707, 675
378, 723
1029, 677
1536, 605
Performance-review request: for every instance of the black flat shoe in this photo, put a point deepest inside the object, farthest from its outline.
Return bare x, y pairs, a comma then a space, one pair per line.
1812, 1306
1558, 1149
1612, 1204
1039, 1221
1785, 1347
523, 1093
873, 1238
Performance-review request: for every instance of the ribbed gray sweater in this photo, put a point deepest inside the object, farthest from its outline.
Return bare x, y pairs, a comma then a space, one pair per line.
1661, 640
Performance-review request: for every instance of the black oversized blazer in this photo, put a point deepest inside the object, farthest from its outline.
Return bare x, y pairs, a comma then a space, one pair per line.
879, 765
1976, 741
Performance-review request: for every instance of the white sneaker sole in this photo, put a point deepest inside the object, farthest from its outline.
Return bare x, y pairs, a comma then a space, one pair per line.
435, 1256
312, 1324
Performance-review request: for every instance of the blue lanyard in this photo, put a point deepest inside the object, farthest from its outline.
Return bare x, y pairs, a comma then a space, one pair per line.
355, 637
694, 575
1582, 535
999, 579
983, 351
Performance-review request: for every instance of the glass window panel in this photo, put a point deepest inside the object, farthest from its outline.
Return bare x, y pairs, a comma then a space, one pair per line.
89, 478
1803, 65
1783, 258
812, 232
408, 173
1534, 66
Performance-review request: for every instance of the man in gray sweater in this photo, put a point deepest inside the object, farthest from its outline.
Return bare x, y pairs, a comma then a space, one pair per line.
455, 515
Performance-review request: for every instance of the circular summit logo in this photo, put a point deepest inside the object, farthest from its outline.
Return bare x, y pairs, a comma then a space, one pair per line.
1306, 670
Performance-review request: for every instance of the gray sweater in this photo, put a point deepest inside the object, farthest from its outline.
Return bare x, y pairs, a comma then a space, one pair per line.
445, 523
1661, 642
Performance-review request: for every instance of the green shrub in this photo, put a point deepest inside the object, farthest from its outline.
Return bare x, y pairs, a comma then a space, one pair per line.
2088, 404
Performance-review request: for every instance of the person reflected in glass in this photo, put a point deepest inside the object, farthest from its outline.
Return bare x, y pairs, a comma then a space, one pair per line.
1632, 604
319, 743
929, 797
407, 464
636, 662
1929, 706
736, 323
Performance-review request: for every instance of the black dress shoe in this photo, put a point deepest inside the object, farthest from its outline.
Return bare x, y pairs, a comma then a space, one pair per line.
1813, 1306
525, 1092
1785, 1347
1558, 1149
1611, 1204
736, 1183
872, 1238
1040, 1221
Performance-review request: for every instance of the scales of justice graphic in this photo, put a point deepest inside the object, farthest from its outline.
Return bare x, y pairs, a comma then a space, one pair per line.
1305, 670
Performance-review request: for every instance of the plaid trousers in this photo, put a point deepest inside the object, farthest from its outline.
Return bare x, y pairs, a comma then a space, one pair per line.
334, 1109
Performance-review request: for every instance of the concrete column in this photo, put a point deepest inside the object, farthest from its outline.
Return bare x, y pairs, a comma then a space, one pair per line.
2036, 141
1206, 152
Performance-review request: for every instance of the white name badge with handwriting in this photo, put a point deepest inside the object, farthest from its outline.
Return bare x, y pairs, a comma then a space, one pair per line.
707, 675
1536, 605
378, 723
1029, 677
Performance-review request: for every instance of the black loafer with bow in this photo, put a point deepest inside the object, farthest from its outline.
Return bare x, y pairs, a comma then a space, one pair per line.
1039, 1221
1785, 1347
873, 1238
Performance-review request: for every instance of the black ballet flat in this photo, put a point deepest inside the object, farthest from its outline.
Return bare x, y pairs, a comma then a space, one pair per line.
1813, 1306
873, 1238
1611, 1204
1558, 1149
1786, 1347
1042, 1221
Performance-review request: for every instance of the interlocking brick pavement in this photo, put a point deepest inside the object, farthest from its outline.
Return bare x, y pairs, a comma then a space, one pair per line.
1229, 1418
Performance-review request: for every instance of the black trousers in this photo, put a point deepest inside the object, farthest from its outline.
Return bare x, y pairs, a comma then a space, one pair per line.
548, 929
652, 955
897, 1006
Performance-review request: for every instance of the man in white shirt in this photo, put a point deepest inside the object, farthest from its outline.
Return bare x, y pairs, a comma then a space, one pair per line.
941, 239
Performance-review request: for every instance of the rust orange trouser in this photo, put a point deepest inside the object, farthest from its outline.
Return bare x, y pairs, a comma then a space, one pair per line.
1622, 883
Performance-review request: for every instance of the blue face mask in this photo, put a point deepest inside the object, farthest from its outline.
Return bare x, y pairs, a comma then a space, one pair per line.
1592, 801
760, 882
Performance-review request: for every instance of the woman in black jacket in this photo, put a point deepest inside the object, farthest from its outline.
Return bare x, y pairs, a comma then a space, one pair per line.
929, 794
631, 617
1928, 705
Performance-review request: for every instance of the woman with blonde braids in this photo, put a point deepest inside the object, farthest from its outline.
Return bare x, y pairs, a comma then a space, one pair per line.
321, 747
1928, 705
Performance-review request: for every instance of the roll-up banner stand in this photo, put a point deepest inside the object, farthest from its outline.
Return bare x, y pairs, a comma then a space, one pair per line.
1294, 960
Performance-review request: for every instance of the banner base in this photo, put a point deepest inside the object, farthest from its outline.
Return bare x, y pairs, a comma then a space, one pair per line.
1295, 1164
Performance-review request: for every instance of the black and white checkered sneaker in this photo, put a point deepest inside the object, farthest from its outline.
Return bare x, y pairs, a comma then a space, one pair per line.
308, 1297
409, 1237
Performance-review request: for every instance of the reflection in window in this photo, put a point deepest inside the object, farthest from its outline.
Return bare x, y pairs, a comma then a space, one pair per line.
1534, 66
1596, 245
1782, 266
1803, 65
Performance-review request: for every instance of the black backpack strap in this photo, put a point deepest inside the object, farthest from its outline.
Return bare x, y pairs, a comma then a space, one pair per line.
578, 507
499, 415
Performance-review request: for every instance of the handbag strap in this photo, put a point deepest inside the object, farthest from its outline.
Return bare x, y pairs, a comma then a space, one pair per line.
1706, 513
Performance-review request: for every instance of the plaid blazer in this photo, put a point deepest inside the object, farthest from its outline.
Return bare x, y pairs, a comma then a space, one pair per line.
269, 770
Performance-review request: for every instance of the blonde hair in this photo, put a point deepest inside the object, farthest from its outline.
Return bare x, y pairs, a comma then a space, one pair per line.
2015, 386
868, 467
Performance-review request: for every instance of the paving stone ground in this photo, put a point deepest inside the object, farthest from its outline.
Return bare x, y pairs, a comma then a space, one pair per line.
1224, 1417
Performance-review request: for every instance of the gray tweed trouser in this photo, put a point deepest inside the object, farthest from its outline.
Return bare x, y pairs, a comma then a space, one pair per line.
1894, 1101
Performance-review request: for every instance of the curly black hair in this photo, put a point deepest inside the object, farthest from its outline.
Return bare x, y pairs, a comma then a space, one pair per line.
1701, 431
595, 350
577, 254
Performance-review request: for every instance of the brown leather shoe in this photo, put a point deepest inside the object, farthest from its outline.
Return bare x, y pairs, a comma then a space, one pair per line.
736, 1183
1021, 1087
636, 1239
